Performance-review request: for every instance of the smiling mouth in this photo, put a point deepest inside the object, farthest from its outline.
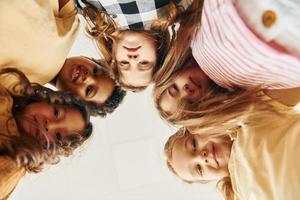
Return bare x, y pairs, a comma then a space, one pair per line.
214, 155
76, 73
132, 49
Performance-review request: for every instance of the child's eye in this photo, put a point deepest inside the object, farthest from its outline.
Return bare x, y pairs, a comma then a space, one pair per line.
56, 112
88, 91
145, 65
124, 65
199, 169
173, 90
194, 144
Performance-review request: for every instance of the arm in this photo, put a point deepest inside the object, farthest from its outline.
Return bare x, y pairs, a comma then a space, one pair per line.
289, 97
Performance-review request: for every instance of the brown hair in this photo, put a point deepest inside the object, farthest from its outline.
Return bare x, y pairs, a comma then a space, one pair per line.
189, 22
25, 149
224, 185
102, 28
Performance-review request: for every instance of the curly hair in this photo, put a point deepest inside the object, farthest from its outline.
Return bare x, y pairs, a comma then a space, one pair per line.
113, 101
25, 149
109, 105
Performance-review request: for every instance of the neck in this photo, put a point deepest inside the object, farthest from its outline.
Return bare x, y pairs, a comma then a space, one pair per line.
54, 81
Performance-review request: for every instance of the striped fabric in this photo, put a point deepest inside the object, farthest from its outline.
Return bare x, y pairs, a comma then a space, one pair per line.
232, 55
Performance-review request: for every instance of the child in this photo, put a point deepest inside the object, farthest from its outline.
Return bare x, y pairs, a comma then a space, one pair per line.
89, 79
38, 126
251, 162
23, 47
189, 94
231, 54
133, 37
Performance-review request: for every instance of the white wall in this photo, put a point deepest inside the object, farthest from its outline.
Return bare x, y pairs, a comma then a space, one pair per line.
123, 160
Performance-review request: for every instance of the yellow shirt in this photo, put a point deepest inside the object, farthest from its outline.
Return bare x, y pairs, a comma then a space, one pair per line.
264, 162
35, 36
10, 173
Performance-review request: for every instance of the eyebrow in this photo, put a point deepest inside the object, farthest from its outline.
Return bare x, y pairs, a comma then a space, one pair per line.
95, 90
119, 63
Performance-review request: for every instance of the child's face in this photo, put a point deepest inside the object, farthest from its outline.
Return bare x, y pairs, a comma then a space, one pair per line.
200, 158
189, 86
86, 79
135, 54
47, 121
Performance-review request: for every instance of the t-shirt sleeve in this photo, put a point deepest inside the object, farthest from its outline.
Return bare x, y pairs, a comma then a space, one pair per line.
10, 175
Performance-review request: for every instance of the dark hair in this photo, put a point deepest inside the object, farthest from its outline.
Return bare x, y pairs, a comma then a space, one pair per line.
25, 149
113, 101
109, 105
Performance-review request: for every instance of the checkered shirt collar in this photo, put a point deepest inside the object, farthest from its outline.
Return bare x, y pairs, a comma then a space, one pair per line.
131, 14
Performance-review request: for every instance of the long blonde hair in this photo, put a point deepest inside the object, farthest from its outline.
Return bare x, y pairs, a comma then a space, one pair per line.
177, 55
24, 149
224, 185
218, 110
104, 30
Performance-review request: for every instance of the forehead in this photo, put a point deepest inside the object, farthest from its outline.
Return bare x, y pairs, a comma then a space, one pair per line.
73, 119
168, 103
182, 160
104, 92
39, 105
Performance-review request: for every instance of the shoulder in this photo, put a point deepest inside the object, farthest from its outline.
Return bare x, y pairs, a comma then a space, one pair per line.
10, 175
6, 100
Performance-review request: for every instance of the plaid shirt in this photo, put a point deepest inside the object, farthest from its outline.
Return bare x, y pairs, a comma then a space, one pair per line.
133, 14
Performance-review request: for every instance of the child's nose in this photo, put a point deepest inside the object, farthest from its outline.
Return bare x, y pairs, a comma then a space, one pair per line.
132, 56
188, 89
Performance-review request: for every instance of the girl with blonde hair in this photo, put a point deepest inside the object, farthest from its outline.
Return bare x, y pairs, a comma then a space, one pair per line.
249, 162
38, 126
190, 98
220, 80
133, 37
